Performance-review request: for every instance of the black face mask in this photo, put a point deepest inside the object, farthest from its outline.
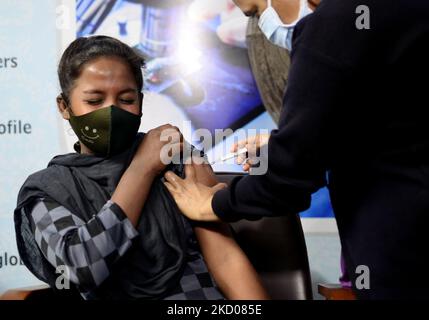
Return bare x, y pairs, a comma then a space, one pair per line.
106, 131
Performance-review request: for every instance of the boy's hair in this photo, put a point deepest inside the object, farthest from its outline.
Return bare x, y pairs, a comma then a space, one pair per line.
86, 49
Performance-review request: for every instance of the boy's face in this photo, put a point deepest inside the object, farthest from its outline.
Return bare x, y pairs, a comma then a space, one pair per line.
102, 83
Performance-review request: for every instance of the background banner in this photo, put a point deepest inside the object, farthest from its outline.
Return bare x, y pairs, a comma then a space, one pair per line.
30, 134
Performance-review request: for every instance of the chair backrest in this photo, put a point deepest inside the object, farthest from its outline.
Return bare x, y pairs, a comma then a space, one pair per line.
276, 247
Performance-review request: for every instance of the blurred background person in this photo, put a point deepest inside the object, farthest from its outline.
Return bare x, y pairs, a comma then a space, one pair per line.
241, 22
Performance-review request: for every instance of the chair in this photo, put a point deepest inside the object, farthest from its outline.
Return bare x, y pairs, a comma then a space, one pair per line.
275, 246
336, 292
42, 292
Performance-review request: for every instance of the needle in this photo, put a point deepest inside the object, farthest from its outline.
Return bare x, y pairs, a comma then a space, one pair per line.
230, 156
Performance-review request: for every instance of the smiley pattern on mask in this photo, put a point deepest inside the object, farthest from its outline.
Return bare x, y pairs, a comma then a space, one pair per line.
89, 131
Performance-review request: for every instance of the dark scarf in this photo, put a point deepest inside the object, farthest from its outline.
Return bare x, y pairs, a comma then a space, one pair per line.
82, 184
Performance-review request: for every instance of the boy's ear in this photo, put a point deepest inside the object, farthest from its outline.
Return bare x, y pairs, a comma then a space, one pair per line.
62, 107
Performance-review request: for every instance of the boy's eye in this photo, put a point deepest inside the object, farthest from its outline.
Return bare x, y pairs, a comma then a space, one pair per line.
94, 102
127, 101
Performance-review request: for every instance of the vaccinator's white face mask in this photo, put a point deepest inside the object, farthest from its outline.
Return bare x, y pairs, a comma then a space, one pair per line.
275, 30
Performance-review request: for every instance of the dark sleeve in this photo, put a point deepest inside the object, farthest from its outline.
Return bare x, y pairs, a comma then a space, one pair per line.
299, 152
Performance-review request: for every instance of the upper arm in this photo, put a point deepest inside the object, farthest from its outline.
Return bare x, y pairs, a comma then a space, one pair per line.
204, 173
216, 242
211, 236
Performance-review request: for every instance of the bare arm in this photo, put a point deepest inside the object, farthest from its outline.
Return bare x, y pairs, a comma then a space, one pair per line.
133, 188
134, 184
228, 264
